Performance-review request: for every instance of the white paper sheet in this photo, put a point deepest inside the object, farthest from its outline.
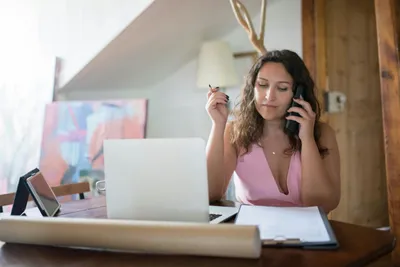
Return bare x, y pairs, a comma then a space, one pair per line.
280, 223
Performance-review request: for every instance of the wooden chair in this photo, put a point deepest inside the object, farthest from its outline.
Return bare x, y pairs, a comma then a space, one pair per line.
59, 191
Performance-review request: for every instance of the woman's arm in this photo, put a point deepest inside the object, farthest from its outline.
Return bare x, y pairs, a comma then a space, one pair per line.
321, 176
221, 161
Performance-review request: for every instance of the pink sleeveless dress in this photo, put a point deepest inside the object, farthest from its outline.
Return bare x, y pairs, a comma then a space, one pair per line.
255, 184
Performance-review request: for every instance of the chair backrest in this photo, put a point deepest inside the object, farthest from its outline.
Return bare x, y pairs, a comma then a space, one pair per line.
59, 191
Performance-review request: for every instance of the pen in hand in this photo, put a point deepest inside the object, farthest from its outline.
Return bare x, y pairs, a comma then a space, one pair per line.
216, 89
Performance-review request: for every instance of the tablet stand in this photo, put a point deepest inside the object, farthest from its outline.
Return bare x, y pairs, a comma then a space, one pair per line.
21, 198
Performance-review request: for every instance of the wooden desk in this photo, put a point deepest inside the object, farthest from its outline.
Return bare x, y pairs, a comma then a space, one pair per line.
359, 247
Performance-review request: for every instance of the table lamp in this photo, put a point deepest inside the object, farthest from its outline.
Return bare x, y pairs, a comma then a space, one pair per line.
216, 66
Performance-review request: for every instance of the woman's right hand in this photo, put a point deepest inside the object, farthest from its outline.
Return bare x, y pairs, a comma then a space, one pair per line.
217, 106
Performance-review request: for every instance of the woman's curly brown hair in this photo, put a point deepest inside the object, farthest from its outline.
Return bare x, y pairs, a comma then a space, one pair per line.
247, 128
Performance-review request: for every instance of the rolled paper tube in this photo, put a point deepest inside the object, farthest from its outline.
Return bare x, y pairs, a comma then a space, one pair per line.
201, 239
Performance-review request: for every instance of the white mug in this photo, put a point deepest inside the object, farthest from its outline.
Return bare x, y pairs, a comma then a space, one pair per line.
101, 189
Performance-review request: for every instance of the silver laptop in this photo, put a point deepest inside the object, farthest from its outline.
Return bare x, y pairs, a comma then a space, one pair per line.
159, 179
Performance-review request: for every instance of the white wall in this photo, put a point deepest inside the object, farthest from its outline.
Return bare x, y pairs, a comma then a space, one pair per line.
176, 105
283, 29
77, 30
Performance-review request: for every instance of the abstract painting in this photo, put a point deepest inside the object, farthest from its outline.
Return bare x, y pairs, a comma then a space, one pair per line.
73, 134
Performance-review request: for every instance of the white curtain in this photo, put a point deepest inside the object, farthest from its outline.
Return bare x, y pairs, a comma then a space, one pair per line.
26, 85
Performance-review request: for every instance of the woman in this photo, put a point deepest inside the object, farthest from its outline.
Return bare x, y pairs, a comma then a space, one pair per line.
273, 166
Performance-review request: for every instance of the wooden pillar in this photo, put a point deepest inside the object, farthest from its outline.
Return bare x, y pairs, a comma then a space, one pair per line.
314, 47
386, 24
308, 35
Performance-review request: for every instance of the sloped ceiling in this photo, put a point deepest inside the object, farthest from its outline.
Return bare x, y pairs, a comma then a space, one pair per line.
163, 38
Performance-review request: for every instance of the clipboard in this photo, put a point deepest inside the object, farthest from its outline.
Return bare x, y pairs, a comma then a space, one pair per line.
318, 218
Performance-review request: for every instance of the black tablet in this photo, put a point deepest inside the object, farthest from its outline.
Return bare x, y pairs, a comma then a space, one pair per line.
42, 194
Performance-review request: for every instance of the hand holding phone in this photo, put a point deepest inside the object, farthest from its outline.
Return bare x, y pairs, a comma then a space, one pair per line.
293, 126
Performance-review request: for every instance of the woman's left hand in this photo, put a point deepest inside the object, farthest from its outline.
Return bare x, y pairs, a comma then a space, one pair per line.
306, 119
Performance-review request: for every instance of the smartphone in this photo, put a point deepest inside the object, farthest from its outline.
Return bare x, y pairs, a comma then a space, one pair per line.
42, 194
293, 126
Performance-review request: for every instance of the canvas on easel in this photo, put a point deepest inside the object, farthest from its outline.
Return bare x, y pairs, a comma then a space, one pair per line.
73, 134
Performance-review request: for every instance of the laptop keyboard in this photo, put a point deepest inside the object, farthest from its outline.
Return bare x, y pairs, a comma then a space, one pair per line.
213, 216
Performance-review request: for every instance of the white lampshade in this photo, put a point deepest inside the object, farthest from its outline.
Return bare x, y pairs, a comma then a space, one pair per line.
216, 65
